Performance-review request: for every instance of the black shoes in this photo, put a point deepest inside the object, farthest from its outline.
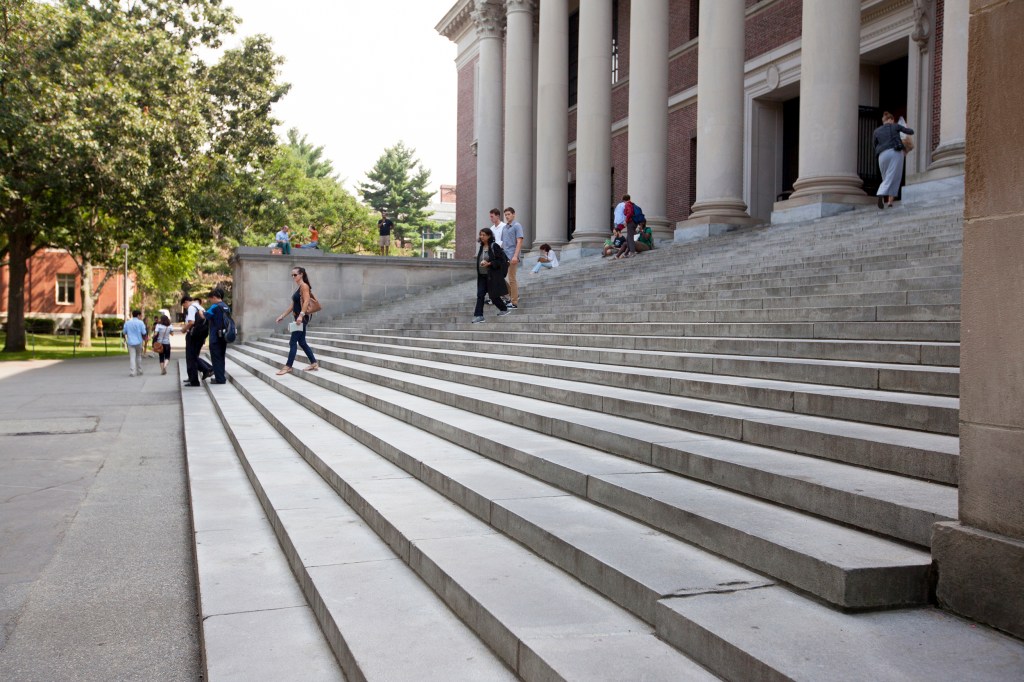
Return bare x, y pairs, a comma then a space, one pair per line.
881, 202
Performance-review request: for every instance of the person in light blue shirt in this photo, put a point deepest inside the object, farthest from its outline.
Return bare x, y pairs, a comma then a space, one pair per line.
135, 334
284, 240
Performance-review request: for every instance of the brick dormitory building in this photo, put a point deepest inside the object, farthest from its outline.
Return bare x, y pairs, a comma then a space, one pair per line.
710, 114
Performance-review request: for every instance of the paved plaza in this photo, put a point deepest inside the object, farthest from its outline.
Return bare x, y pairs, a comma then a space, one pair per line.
96, 570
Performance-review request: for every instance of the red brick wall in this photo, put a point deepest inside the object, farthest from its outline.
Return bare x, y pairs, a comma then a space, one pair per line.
940, 15
41, 287
624, 7
465, 167
772, 27
620, 162
682, 71
682, 124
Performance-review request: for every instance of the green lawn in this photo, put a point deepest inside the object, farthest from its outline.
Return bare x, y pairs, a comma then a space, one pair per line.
49, 347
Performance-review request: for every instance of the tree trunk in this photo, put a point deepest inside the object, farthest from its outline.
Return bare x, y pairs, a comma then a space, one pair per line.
88, 304
20, 250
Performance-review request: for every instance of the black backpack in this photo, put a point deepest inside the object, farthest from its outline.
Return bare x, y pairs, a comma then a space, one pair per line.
227, 330
201, 325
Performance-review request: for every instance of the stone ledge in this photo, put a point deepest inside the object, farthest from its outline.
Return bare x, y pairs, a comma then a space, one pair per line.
981, 575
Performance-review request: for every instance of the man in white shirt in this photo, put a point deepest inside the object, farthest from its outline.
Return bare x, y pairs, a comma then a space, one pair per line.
196, 330
497, 227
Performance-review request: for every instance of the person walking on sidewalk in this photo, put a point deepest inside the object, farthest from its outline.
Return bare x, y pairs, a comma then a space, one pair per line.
162, 334
135, 336
218, 344
299, 311
490, 261
512, 244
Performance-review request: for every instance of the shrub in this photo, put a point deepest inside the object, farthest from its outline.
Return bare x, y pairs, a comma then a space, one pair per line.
40, 325
111, 325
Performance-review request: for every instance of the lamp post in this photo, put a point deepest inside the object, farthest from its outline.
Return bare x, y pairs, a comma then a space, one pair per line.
124, 247
423, 241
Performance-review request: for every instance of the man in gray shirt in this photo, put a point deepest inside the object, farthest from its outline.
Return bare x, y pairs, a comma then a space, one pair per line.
512, 243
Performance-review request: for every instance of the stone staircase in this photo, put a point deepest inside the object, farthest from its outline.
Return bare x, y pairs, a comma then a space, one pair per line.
715, 460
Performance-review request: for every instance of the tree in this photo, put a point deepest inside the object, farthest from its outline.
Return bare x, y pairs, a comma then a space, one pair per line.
115, 132
393, 186
439, 235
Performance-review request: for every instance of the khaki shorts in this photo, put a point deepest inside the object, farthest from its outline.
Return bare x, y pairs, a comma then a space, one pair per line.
385, 240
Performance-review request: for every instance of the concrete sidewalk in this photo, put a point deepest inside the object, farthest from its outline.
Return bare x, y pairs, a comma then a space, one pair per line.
96, 567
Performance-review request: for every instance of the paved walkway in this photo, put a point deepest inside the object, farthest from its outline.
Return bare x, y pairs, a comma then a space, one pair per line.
96, 569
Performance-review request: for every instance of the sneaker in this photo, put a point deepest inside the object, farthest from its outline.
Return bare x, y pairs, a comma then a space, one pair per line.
479, 318
513, 306
163, 370
487, 301
503, 313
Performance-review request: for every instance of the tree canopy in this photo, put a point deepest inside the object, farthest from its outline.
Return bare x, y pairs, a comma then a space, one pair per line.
397, 183
115, 132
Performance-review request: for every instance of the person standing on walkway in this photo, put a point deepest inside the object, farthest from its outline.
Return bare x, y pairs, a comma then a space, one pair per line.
284, 240
384, 228
196, 329
135, 336
299, 310
218, 344
512, 243
162, 334
490, 262
889, 149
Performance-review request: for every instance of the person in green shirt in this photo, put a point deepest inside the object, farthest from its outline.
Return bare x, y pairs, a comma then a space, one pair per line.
645, 238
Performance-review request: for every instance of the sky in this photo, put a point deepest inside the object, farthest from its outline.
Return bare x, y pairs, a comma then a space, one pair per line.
364, 75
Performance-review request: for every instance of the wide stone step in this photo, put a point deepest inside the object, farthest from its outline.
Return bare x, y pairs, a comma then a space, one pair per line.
252, 612
860, 331
898, 313
841, 565
753, 635
543, 345
730, 379
539, 620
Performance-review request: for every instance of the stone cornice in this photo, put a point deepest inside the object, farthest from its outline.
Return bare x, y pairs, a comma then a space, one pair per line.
454, 22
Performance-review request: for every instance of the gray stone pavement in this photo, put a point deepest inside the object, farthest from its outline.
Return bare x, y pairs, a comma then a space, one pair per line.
96, 567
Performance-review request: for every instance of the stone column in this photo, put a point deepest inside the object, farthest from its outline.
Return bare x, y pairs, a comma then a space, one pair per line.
719, 206
829, 84
980, 559
593, 127
519, 112
487, 18
953, 105
553, 123
648, 111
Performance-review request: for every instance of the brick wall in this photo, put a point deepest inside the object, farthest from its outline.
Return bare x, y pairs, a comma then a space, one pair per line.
682, 125
940, 12
772, 27
620, 165
682, 71
465, 167
41, 287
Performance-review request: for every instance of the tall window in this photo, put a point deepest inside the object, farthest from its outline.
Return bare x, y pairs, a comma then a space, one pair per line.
574, 57
694, 18
66, 289
615, 41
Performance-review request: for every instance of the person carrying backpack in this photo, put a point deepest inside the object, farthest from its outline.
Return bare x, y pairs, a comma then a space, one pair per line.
197, 328
218, 315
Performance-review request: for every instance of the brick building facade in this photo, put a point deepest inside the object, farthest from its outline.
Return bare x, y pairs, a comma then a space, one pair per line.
900, 69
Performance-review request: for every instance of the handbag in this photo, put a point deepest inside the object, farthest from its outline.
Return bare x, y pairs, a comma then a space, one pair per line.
158, 347
313, 306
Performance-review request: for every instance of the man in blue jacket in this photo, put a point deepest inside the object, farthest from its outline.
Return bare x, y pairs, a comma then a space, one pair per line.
218, 345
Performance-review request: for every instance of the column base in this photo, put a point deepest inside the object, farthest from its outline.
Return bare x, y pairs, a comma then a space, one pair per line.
949, 155
981, 575
946, 182
709, 226
812, 206
661, 230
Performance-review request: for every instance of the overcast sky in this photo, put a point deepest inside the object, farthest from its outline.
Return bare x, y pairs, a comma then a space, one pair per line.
364, 75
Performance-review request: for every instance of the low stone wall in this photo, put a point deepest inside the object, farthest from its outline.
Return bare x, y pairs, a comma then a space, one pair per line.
342, 283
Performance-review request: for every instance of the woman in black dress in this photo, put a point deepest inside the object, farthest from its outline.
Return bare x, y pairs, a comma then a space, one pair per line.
491, 262
298, 310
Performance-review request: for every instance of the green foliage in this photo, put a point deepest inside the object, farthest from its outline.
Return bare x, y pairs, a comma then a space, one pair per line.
115, 132
299, 190
393, 186
444, 237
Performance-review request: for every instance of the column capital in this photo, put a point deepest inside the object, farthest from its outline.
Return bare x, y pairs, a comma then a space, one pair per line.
488, 19
528, 6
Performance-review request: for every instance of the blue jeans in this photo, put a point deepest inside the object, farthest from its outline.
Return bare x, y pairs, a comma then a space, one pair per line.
286, 248
218, 349
539, 265
299, 339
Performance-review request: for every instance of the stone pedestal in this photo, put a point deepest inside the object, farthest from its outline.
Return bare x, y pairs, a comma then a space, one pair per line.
980, 560
813, 206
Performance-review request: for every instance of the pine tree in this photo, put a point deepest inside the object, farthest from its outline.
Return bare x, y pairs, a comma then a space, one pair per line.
398, 184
